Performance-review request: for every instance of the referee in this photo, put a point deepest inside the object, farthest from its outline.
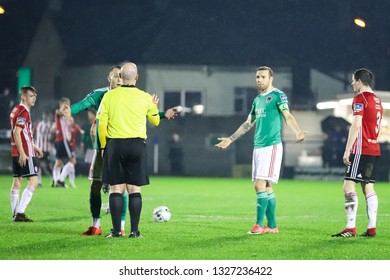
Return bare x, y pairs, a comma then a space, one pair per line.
122, 134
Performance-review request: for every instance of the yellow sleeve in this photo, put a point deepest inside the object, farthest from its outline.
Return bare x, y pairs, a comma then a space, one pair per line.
154, 119
102, 128
102, 116
153, 116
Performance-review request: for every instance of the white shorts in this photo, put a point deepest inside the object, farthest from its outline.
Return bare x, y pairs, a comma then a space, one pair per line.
266, 163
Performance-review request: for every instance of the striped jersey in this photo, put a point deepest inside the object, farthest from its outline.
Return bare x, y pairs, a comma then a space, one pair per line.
368, 105
74, 130
20, 116
42, 135
63, 128
267, 111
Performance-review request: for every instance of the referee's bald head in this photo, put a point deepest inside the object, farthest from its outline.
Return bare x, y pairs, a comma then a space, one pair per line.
129, 73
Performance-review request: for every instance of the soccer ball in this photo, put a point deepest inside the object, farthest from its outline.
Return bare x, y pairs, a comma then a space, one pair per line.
161, 214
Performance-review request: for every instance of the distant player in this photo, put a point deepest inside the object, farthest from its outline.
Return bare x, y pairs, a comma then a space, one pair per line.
23, 154
75, 130
43, 137
89, 137
362, 153
269, 109
62, 144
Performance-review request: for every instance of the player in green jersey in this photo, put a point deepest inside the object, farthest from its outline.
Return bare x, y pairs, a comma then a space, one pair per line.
269, 108
93, 100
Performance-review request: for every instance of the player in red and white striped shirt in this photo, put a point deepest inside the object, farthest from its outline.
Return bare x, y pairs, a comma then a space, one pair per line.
362, 152
43, 136
75, 129
63, 148
23, 154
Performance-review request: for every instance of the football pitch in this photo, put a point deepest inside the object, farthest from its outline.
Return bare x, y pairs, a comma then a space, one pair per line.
210, 220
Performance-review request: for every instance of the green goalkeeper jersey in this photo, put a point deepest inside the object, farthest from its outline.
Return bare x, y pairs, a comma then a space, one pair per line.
93, 99
267, 110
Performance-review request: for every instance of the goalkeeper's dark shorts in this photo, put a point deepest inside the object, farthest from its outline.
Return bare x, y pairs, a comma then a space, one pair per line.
125, 162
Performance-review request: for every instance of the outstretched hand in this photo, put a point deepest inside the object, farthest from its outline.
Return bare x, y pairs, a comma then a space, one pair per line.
225, 142
171, 113
156, 99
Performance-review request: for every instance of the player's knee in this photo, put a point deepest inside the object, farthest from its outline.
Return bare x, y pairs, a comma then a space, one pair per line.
350, 198
367, 188
33, 181
16, 183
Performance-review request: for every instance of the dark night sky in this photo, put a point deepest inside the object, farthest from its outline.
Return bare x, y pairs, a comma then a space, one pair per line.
222, 32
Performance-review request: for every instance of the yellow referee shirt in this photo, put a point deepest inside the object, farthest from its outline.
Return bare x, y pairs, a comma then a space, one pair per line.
122, 114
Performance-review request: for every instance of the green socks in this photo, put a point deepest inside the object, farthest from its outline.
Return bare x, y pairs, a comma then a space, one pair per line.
266, 206
262, 201
125, 206
271, 211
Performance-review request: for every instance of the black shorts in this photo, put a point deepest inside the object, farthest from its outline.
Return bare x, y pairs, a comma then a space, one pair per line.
125, 162
29, 170
63, 150
45, 158
362, 168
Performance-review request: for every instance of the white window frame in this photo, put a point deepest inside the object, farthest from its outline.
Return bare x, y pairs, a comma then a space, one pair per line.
182, 93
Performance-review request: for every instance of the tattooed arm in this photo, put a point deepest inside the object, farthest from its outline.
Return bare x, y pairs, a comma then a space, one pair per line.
243, 129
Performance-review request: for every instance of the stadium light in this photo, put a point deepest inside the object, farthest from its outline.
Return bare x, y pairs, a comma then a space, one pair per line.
327, 105
360, 22
343, 102
195, 110
198, 109
386, 105
2, 10
346, 101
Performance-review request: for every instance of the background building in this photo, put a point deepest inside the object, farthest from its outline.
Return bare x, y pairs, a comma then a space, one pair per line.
197, 53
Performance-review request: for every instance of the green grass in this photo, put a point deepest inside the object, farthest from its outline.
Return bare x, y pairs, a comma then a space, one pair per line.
210, 220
